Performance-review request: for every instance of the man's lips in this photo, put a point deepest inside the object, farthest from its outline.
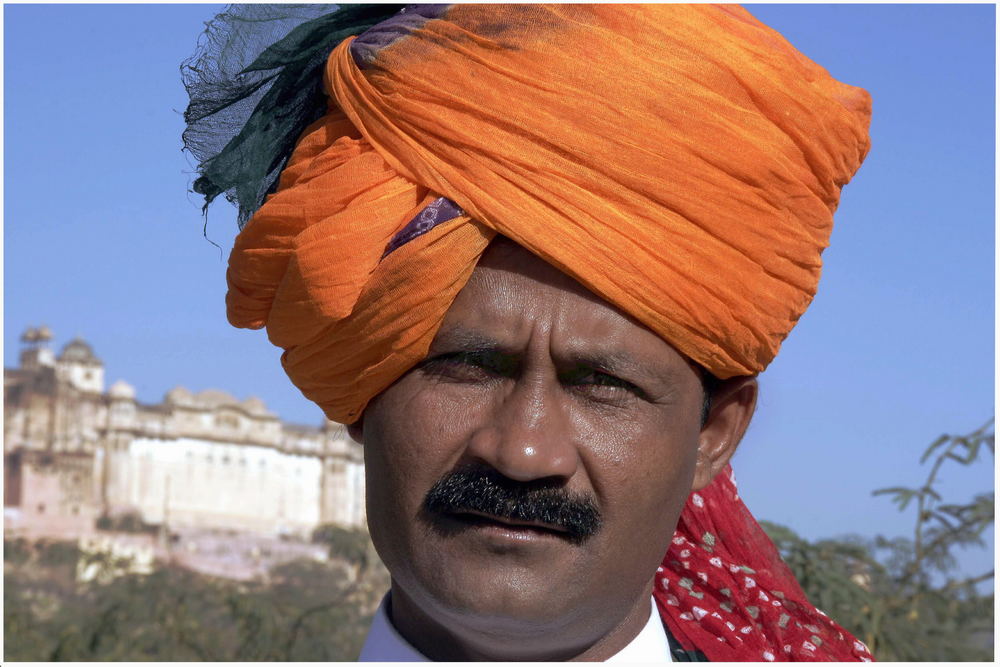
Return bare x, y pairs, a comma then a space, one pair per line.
481, 518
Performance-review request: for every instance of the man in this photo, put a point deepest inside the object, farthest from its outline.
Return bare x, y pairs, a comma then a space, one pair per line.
534, 257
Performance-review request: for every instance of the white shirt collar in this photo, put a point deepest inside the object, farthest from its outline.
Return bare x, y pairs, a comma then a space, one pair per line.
385, 644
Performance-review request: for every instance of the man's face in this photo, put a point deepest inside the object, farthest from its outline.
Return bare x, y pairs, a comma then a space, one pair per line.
561, 398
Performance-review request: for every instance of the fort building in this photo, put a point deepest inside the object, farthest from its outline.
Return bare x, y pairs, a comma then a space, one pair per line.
76, 452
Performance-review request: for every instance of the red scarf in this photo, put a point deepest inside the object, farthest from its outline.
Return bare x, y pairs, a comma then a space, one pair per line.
723, 589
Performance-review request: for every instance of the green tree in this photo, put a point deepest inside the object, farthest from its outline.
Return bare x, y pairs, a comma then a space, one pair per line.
900, 595
349, 544
306, 611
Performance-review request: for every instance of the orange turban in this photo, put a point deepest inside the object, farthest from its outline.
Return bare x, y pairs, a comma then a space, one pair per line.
683, 162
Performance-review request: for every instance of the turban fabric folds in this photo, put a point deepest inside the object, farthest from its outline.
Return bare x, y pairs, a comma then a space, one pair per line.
683, 162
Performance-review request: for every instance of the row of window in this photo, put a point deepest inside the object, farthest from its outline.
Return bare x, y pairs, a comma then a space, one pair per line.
225, 459
74, 510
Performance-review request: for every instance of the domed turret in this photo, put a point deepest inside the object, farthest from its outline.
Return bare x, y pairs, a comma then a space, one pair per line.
122, 390
79, 351
255, 406
36, 353
122, 412
213, 398
78, 365
178, 396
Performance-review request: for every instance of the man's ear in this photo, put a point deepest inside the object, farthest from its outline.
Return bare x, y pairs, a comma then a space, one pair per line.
357, 430
732, 406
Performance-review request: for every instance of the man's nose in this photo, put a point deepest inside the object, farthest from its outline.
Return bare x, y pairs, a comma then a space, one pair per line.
529, 435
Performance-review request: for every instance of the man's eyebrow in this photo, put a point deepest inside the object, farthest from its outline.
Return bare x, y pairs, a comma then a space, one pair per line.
621, 364
615, 362
467, 340
610, 361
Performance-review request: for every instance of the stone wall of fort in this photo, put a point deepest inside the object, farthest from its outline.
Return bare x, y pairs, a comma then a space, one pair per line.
75, 451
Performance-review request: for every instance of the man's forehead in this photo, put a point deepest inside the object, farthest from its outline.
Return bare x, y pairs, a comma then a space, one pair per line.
504, 261
512, 293
509, 281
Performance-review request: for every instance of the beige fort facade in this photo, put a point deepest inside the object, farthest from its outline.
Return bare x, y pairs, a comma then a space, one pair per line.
75, 451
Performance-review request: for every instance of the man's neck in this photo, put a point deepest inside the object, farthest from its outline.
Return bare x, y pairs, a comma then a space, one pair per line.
443, 641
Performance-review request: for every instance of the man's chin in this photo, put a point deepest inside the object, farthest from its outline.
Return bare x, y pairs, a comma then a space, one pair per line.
509, 603
498, 578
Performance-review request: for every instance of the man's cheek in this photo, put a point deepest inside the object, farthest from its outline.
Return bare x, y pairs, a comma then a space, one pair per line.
438, 418
412, 441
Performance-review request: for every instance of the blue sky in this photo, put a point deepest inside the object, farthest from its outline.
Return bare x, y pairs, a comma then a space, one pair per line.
102, 240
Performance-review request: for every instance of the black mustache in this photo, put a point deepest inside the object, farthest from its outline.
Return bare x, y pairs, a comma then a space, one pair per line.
484, 490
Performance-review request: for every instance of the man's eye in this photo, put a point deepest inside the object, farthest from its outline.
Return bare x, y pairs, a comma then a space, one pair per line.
603, 380
602, 383
458, 366
603, 386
